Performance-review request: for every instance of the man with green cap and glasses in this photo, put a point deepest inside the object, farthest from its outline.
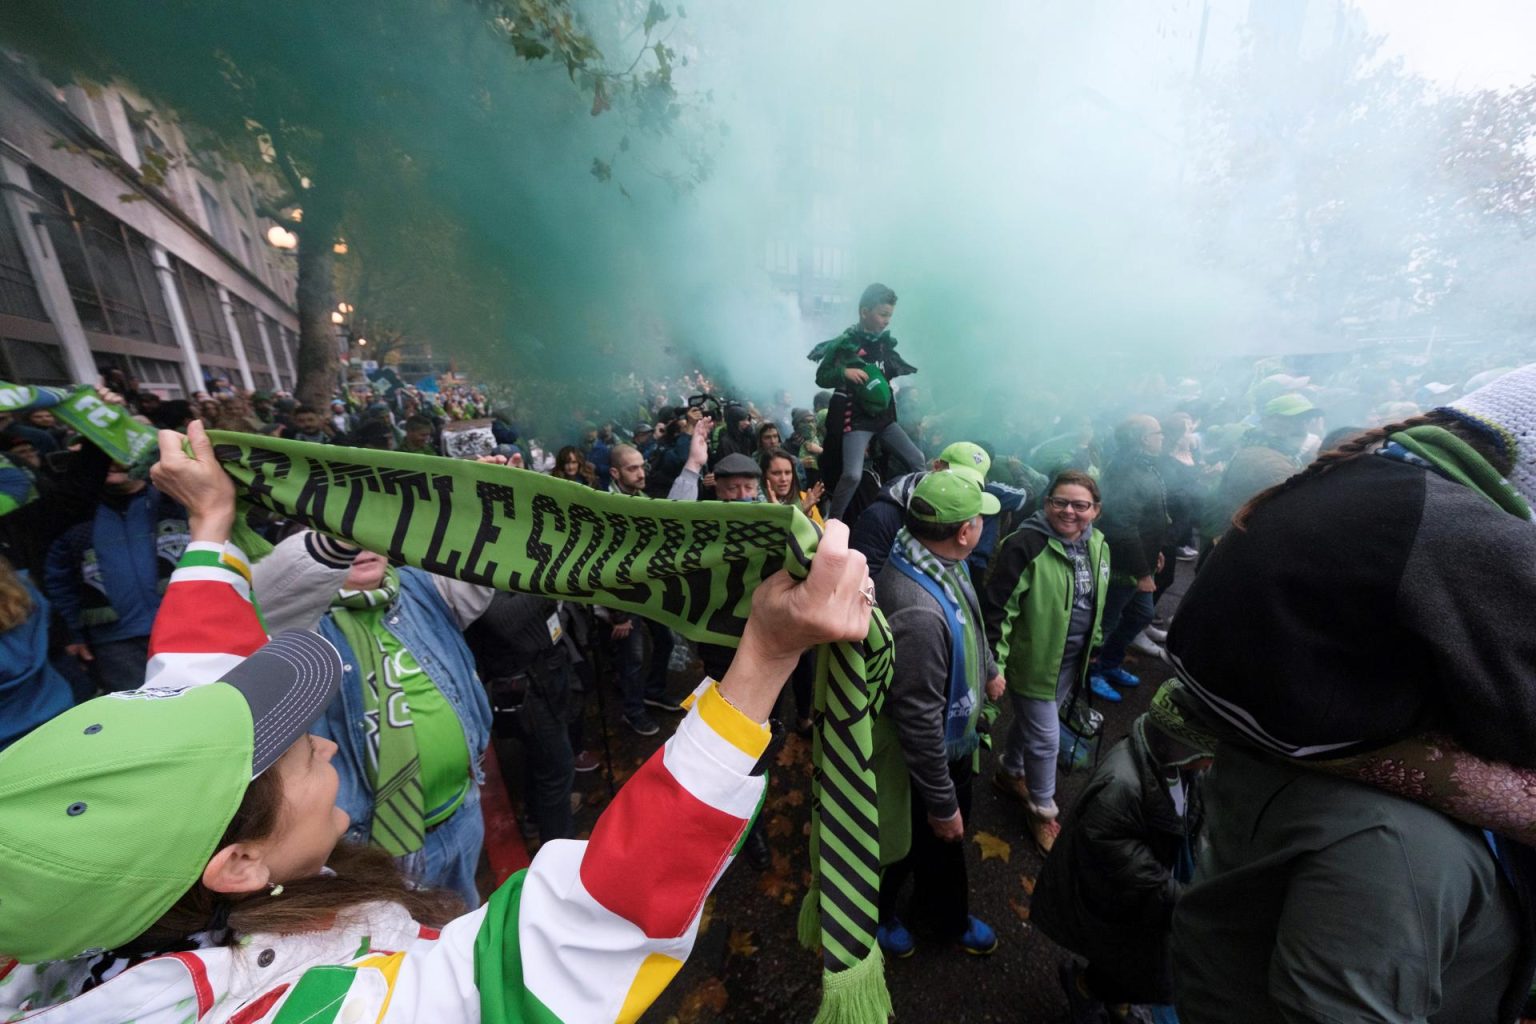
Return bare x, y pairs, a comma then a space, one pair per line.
926, 739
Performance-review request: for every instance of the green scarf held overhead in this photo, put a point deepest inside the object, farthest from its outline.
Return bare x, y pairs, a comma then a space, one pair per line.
109, 427
691, 566
393, 762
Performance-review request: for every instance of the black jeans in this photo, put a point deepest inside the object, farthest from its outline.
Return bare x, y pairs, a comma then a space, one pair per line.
540, 721
940, 889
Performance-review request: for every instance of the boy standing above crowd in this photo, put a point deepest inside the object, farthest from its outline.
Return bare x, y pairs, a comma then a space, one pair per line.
860, 364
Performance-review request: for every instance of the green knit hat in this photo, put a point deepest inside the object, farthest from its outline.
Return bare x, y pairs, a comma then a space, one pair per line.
110, 812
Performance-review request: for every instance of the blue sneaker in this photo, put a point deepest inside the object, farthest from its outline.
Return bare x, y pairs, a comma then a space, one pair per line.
895, 940
1120, 677
1103, 690
979, 939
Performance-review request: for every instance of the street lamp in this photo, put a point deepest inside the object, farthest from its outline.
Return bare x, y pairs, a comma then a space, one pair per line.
279, 237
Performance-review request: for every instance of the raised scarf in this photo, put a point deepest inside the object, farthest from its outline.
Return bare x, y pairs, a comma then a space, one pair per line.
949, 584
691, 566
393, 762
108, 427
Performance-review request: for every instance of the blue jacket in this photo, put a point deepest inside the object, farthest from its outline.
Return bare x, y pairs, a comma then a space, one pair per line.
423, 622
1013, 501
601, 457
31, 692
105, 576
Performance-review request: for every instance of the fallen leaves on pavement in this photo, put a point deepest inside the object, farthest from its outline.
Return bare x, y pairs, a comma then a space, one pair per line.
992, 846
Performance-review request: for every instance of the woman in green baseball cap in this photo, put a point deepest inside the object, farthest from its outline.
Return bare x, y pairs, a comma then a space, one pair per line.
171, 853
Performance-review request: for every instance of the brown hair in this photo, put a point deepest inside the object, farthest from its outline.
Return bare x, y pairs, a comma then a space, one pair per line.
765, 459
15, 602
583, 468
1078, 477
363, 874
1365, 442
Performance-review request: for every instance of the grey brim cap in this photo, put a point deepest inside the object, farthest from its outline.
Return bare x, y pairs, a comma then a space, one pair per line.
288, 683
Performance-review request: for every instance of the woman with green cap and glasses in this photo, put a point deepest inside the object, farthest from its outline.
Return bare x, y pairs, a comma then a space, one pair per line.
1043, 606
171, 853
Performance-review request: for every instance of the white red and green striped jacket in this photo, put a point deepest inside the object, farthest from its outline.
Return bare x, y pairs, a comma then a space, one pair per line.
591, 931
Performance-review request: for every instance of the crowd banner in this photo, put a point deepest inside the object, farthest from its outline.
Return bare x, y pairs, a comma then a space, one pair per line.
691, 566
109, 427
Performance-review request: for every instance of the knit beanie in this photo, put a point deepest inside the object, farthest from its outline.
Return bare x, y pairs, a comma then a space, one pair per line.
1505, 411
1186, 738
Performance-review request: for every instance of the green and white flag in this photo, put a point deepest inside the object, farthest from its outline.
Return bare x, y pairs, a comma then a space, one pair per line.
107, 426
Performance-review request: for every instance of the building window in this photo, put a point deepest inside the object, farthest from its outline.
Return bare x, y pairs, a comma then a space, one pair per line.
18, 289
159, 375
33, 362
218, 225
248, 250
291, 353
250, 333
63, 233
205, 314
105, 263
154, 154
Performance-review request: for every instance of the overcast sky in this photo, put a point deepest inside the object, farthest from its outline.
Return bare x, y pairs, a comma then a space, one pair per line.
1468, 44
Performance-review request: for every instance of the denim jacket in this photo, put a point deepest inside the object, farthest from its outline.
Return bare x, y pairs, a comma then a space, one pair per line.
423, 621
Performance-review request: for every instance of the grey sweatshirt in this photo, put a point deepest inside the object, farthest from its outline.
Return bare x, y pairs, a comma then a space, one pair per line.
920, 684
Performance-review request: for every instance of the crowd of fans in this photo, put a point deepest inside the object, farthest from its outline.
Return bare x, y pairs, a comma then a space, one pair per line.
1020, 566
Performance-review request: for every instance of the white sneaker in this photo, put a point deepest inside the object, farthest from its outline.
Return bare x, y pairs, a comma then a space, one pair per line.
1157, 636
1188, 554
1143, 645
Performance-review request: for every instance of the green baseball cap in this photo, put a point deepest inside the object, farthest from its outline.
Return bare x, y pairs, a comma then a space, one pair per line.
1289, 404
963, 456
110, 812
874, 395
954, 497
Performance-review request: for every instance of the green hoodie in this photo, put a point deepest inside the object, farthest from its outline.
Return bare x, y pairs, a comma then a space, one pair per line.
1026, 606
857, 348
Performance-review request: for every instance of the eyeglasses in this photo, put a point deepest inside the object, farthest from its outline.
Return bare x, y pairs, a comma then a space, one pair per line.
1062, 504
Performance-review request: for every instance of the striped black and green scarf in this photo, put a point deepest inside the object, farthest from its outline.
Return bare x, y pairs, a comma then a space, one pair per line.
689, 565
